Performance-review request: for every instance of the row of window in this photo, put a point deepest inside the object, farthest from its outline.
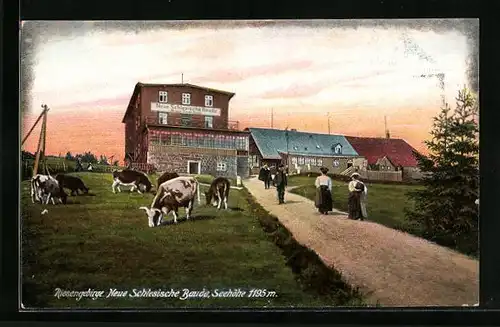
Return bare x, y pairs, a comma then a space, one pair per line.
307, 161
186, 98
336, 148
201, 141
185, 120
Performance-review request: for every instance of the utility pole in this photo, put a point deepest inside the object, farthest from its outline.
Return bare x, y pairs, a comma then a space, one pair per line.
328, 115
182, 78
272, 118
287, 150
41, 141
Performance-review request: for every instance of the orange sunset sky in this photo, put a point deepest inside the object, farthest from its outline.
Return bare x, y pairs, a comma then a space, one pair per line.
357, 75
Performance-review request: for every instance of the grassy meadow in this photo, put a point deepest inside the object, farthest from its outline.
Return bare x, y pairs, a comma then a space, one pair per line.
385, 202
102, 241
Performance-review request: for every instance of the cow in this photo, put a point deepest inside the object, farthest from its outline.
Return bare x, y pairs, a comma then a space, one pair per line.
45, 188
166, 177
132, 178
72, 183
219, 192
172, 195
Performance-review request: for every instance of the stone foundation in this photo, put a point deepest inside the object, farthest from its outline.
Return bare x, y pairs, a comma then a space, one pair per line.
175, 159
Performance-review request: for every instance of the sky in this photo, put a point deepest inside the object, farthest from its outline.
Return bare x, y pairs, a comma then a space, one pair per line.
303, 73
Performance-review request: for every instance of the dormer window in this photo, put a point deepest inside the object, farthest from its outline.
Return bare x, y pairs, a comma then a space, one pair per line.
186, 98
337, 148
318, 147
295, 148
163, 96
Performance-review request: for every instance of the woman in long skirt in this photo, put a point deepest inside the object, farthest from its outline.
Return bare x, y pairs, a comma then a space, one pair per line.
356, 189
323, 200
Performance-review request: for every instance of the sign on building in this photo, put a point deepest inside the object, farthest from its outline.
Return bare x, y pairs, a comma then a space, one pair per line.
183, 109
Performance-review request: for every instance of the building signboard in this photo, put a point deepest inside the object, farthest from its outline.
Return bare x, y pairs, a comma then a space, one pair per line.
183, 109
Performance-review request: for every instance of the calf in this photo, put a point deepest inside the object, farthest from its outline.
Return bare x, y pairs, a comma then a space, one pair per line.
166, 177
132, 178
46, 188
219, 191
72, 183
171, 195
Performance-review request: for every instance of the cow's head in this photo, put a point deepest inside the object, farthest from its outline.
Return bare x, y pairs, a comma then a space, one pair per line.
208, 197
153, 216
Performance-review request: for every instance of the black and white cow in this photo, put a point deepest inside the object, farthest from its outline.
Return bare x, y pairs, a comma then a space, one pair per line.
166, 176
170, 196
218, 192
133, 178
45, 188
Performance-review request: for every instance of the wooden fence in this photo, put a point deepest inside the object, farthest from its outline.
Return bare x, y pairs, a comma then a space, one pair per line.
378, 175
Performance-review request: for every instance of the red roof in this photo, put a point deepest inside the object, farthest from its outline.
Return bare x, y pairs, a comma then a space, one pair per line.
397, 151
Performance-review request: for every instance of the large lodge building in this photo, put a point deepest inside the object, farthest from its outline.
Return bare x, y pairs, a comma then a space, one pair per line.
184, 128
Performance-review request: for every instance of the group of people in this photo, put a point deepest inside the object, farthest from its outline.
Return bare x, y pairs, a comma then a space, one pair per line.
324, 193
278, 177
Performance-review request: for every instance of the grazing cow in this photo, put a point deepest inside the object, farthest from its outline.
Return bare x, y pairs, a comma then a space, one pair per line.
45, 188
172, 195
166, 177
132, 178
219, 192
72, 183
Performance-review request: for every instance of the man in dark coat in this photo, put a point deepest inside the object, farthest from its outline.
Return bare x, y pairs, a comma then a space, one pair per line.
281, 181
265, 176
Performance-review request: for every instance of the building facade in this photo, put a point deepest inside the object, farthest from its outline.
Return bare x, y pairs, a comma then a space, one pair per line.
301, 151
184, 128
387, 154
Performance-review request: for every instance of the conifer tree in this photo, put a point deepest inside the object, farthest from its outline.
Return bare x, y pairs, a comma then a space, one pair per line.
445, 207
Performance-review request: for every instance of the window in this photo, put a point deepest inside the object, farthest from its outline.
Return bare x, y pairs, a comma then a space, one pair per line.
337, 149
162, 96
221, 166
209, 101
336, 163
163, 118
294, 160
307, 161
319, 162
209, 122
186, 120
313, 161
301, 160
186, 98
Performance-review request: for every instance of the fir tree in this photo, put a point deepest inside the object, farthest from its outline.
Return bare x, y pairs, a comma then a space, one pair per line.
445, 208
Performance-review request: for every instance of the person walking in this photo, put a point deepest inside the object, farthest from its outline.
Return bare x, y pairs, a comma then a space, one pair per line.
281, 181
324, 198
356, 190
265, 176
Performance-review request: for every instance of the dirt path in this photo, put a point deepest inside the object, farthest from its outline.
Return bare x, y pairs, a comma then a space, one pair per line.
398, 269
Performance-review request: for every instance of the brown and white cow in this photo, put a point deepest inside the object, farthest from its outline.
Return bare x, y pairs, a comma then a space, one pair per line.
170, 196
219, 192
128, 177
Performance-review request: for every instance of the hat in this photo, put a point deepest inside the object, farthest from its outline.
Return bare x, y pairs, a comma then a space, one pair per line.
355, 175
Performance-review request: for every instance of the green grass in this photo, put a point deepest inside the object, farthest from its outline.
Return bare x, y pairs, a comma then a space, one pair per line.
385, 202
102, 241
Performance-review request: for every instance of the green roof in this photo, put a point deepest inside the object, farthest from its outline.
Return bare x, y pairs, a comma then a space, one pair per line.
273, 141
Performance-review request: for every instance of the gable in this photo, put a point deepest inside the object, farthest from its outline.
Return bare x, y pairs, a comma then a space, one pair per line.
397, 151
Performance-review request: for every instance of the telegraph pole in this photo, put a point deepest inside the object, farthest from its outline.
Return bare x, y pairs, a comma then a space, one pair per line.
41, 141
328, 115
272, 118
